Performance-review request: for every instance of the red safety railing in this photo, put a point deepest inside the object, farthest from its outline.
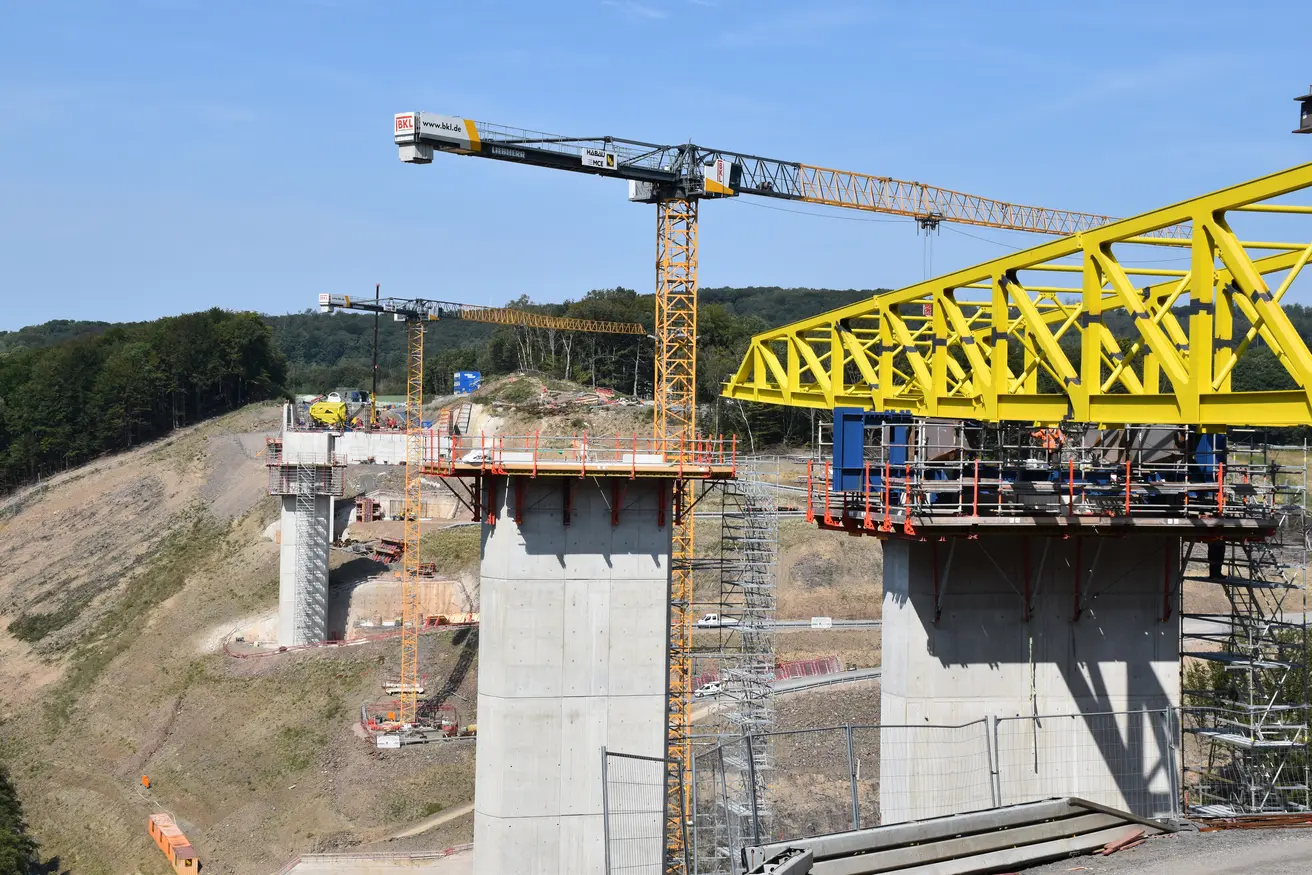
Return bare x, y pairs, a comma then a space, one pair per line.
800, 668
631, 455
1125, 489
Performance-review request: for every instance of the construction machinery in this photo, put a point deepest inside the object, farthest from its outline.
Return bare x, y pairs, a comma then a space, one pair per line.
676, 178
416, 313
329, 414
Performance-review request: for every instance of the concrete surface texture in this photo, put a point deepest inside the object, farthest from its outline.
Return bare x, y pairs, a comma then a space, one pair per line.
983, 659
378, 600
571, 659
383, 448
305, 535
459, 863
1237, 852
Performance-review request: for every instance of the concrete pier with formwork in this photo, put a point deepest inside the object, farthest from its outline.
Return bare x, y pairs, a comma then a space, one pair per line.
998, 626
305, 472
572, 659
574, 632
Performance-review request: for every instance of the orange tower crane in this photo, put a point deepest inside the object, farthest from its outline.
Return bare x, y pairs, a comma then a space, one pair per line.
415, 313
676, 178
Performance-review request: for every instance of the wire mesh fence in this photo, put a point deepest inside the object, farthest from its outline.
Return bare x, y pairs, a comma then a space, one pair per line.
821, 781
633, 802
1127, 760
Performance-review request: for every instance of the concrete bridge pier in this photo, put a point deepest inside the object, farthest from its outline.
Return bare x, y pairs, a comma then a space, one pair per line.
306, 474
572, 658
1027, 624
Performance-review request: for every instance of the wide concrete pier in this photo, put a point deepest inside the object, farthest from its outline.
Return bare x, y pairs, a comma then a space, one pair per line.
572, 659
1014, 626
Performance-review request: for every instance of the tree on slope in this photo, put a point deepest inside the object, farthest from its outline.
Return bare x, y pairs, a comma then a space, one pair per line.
17, 849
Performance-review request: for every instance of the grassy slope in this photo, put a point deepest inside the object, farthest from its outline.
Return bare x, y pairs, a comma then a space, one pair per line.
133, 685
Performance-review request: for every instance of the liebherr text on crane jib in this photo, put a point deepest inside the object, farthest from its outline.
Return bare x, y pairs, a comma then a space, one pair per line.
655, 172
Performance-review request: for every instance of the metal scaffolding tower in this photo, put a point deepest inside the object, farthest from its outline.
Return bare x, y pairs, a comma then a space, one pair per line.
307, 477
748, 567
1247, 692
311, 548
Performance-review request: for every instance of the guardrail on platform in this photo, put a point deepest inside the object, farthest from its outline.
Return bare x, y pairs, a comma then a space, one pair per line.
631, 454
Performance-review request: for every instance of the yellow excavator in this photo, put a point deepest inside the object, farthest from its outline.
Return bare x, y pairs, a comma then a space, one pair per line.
329, 414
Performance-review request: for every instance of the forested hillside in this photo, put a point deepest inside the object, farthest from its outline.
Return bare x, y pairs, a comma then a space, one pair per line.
63, 404
70, 391
48, 334
327, 352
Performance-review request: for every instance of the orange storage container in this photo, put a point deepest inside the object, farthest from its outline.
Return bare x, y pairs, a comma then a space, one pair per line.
173, 843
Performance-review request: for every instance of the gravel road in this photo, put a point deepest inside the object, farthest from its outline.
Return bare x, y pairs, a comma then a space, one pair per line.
1236, 852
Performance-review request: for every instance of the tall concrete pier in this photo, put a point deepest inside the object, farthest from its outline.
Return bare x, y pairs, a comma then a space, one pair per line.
306, 474
1003, 626
572, 659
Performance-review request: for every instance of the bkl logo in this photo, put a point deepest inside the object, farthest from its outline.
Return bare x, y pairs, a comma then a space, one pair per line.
405, 123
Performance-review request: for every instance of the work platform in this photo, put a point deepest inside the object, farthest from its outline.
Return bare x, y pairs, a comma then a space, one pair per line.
574, 633
898, 476
551, 456
1033, 571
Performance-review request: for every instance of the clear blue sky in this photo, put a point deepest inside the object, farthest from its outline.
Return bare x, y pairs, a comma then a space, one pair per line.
169, 156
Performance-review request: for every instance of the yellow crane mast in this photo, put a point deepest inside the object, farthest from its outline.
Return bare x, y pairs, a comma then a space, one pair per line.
416, 312
675, 178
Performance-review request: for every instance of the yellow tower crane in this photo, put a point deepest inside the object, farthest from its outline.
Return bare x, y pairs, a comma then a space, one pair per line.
676, 178
415, 312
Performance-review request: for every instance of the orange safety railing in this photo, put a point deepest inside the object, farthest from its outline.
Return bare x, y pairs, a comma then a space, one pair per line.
1133, 489
632, 455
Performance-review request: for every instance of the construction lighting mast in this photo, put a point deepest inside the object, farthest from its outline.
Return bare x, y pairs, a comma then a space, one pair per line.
415, 312
675, 178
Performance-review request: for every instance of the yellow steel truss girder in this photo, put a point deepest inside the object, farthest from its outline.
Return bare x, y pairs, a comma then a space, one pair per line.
980, 343
509, 316
882, 194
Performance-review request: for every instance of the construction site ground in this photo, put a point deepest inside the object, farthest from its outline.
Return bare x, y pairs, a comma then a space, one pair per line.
122, 581
1233, 852
125, 578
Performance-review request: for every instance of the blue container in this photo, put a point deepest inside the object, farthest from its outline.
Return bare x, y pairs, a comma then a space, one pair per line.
467, 381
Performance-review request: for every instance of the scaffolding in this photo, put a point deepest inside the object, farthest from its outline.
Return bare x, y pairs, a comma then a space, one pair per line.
311, 480
744, 656
1238, 506
1246, 685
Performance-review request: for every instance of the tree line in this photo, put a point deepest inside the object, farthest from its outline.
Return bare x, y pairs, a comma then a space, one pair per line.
70, 391
64, 404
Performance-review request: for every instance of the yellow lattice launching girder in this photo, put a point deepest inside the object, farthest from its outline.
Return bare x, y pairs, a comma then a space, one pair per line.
1025, 337
676, 421
414, 459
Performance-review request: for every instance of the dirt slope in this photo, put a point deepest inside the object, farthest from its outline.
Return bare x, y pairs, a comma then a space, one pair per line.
120, 580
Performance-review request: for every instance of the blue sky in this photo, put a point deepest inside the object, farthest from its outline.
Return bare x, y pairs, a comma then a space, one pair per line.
168, 156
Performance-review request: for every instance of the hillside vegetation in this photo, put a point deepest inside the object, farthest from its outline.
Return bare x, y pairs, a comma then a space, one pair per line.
70, 392
119, 581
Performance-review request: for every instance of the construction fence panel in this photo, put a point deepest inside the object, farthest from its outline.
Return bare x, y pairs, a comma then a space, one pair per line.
927, 771
633, 802
810, 787
1128, 760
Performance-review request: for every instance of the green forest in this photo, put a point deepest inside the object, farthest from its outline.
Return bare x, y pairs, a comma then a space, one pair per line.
85, 393
71, 391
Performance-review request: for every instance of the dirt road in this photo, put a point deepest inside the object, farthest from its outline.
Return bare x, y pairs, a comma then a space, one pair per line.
436, 820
